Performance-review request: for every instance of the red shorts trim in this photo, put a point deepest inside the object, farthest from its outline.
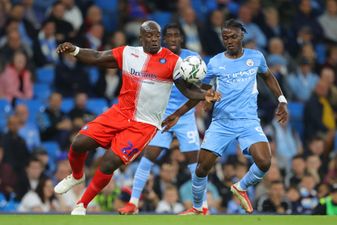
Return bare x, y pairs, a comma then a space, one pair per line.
125, 137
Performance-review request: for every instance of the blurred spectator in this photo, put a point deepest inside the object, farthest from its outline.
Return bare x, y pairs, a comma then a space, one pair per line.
288, 144
307, 16
5, 8
44, 46
273, 174
192, 29
328, 76
276, 47
149, 199
117, 39
294, 197
16, 80
8, 177
307, 51
323, 190
331, 176
28, 130
211, 36
72, 14
80, 109
53, 123
166, 177
318, 115
31, 13
328, 20
71, 77
253, 31
12, 45
304, 79
15, 149
107, 197
93, 37
26, 28
92, 16
272, 27
41, 200
308, 193
64, 29
276, 201
124, 177
331, 60
30, 179
328, 205
169, 203
109, 84
298, 167
313, 164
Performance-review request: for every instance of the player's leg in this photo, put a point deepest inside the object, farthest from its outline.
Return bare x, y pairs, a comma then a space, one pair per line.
141, 176
77, 156
206, 160
109, 163
151, 152
255, 142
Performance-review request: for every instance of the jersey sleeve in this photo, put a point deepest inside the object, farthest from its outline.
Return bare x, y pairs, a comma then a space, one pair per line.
263, 68
209, 74
118, 55
176, 70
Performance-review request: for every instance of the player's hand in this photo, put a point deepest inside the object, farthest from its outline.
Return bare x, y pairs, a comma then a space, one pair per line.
212, 96
207, 106
169, 122
65, 47
282, 113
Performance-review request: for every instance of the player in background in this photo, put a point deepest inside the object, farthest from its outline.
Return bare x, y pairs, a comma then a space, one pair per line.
234, 117
185, 130
127, 127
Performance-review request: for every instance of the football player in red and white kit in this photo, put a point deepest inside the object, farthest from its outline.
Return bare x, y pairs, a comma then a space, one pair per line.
127, 127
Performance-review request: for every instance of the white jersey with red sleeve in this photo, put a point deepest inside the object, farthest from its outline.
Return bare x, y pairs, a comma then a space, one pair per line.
147, 82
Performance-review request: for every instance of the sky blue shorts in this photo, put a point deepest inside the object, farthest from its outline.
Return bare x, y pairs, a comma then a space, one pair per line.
186, 132
221, 134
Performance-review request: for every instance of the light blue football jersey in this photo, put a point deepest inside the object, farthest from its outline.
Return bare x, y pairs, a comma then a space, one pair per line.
177, 99
237, 84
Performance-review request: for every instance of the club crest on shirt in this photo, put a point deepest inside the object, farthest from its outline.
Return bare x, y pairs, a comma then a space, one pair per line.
250, 62
162, 61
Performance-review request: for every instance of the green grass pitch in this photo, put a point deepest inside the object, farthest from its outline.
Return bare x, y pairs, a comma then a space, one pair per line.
165, 220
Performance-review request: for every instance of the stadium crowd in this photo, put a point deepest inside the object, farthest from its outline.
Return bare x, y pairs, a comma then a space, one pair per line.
46, 98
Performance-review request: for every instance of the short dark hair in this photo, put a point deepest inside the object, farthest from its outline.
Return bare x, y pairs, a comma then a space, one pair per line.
234, 23
173, 26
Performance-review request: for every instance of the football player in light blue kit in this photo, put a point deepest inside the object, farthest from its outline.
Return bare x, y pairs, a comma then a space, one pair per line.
185, 130
235, 117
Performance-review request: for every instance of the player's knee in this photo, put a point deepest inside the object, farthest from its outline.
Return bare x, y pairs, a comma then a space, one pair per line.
106, 166
77, 145
264, 164
201, 171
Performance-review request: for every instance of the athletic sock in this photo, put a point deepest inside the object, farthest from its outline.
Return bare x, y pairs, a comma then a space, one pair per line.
98, 182
77, 161
141, 176
253, 176
199, 185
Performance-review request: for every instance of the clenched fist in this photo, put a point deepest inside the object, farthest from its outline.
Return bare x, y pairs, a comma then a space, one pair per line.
65, 47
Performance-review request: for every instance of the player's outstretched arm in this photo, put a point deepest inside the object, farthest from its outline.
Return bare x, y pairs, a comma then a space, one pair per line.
89, 56
272, 83
172, 119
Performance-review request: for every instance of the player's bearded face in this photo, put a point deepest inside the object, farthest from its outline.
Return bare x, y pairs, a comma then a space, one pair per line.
232, 39
151, 41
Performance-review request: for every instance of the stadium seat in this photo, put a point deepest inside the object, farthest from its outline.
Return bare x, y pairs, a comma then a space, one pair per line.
45, 75
35, 106
296, 116
67, 104
110, 13
97, 105
93, 75
42, 91
5, 111
162, 18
